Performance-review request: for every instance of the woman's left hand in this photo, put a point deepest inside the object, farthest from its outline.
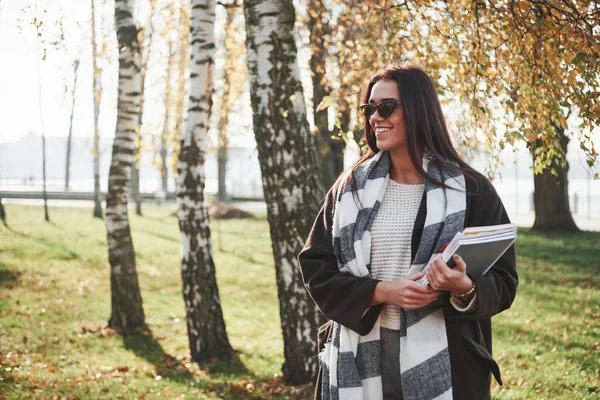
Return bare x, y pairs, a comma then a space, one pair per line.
442, 277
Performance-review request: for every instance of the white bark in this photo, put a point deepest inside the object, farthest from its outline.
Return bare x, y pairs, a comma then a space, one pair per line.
127, 309
69, 138
206, 327
290, 172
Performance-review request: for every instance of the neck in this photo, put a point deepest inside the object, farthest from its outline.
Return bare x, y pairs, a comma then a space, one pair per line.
402, 169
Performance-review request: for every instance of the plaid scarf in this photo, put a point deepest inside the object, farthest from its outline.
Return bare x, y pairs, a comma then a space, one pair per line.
352, 363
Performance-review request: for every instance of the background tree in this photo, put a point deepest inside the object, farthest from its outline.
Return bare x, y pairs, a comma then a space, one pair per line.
68, 161
513, 70
164, 134
290, 172
2, 213
163, 140
127, 309
182, 63
148, 43
229, 45
330, 146
97, 93
205, 323
41, 56
523, 67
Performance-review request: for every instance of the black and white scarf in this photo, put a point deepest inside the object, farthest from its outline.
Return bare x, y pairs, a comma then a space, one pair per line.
352, 363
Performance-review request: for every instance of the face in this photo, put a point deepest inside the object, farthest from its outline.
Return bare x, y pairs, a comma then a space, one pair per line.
389, 132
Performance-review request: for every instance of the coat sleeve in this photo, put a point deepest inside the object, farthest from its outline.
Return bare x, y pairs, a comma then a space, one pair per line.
341, 296
496, 289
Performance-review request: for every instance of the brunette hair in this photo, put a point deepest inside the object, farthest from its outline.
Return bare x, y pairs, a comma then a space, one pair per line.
426, 131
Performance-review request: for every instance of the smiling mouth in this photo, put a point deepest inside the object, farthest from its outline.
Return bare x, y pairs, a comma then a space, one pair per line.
379, 131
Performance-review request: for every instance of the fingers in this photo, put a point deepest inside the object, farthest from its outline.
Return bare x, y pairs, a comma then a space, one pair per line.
416, 276
460, 263
413, 303
411, 295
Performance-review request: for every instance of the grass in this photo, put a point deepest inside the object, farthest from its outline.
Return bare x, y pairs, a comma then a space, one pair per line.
55, 301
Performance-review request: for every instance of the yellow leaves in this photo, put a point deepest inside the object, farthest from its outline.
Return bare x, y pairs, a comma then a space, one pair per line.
562, 121
325, 103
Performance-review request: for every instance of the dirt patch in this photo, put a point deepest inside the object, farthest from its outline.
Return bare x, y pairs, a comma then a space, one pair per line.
226, 211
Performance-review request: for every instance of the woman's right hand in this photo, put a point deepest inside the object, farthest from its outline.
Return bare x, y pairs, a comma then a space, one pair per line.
404, 292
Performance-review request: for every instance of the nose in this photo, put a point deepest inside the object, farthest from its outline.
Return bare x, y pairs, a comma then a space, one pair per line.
376, 117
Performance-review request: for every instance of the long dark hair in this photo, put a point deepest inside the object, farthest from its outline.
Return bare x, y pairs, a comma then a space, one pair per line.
426, 131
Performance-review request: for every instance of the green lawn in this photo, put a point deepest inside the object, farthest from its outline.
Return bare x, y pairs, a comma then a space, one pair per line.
55, 301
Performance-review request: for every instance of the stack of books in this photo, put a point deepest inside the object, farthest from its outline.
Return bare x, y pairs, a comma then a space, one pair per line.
480, 247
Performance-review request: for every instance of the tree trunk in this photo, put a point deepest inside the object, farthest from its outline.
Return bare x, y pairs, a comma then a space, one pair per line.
135, 178
145, 52
97, 93
137, 149
183, 60
68, 162
44, 195
2, 213
205, 323
551, 195
127, 309
164, 137
223, 145
290, 172
42, 127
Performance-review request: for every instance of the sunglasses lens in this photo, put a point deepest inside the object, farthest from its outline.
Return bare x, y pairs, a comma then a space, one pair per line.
386, 109
367, 110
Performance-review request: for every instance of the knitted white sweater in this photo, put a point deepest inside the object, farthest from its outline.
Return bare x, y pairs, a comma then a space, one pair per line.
391, 235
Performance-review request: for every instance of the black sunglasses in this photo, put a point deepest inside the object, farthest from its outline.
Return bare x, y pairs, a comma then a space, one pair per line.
385, 108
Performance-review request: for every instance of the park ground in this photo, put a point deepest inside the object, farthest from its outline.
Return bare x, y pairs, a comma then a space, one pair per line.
55, 302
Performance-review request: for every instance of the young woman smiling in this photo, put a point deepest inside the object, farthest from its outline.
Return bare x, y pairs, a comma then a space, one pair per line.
390, 337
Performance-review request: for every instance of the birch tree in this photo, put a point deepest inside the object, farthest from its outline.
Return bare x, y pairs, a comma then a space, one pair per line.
127, 309
235, 79
205, 323
182, 87
41, 56
147, 47
290, 173
97, 94
166, 129
68, 161
223, 140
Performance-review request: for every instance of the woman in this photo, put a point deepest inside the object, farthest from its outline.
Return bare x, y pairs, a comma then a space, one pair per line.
389, 336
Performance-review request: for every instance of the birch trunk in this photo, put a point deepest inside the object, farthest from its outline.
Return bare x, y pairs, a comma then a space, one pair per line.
206, 327
290, 172
97, 93
127, 309
68, 161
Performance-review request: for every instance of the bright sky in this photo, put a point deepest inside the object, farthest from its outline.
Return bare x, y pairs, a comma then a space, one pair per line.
19, 89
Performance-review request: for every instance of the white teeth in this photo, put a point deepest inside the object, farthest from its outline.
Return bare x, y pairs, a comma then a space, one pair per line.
381, 130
